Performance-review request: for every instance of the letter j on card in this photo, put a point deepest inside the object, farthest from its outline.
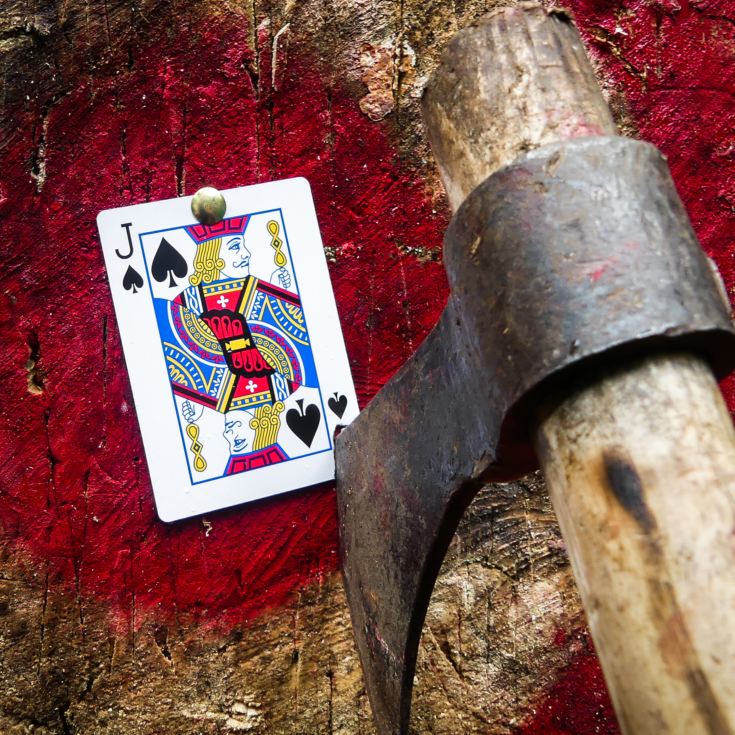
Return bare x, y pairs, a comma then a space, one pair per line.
232, 343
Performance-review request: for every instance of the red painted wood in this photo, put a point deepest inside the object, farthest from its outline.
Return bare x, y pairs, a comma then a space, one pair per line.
578, 702
674, 60
74, 492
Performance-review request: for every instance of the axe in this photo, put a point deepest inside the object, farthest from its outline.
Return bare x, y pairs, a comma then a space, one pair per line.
584, 334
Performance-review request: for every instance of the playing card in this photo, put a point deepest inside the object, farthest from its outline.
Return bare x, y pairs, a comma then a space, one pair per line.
232, 343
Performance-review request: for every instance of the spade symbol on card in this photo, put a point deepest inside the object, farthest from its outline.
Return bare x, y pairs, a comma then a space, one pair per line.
338, 404
167, 263
132, 280
304, 423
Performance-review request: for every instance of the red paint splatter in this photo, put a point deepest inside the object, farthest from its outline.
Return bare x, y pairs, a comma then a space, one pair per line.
578, 702
598, 272
561, 638
75, 493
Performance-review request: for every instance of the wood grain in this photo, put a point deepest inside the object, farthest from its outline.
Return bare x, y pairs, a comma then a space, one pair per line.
641, 471
504, 625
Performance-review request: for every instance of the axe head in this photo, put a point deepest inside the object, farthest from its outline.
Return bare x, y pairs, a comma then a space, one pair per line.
400, 498
574, 255
578, 254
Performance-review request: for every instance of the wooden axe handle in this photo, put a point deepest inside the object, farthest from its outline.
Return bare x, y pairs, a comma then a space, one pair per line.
639, 461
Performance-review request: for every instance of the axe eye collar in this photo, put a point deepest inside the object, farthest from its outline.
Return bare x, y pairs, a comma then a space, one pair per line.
576, 254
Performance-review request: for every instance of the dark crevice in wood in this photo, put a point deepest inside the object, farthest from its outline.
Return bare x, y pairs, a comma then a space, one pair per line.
181, 156
160, 636
36, 374
66, 728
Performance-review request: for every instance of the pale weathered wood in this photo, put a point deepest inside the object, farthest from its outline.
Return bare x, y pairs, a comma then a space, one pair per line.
504, 93
641, 471
640, 462
490, 653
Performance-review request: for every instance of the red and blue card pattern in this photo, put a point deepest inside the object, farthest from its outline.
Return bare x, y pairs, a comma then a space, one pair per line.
233, 345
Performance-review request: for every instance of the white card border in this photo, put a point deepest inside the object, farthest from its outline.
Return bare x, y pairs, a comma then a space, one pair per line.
175, 496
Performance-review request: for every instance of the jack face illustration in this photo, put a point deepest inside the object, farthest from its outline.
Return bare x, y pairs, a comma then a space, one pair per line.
234, 343
236, 258
237, 431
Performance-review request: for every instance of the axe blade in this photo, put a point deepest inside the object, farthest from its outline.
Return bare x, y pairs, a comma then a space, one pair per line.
403, 485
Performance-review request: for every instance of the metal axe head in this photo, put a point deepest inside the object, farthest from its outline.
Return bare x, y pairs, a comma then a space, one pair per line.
524, 318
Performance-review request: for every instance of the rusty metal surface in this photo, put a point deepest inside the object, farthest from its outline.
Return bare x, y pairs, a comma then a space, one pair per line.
577, 253
580, 250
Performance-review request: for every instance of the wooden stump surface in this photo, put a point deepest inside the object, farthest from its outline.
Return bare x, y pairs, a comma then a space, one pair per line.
112, 622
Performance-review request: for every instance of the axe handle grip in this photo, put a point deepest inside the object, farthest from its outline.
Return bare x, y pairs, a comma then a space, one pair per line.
640, 466
640, 463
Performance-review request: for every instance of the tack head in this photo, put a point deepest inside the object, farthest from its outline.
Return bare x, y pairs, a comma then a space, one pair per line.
208, 205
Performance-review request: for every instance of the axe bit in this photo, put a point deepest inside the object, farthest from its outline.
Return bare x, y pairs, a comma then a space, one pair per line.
582, 333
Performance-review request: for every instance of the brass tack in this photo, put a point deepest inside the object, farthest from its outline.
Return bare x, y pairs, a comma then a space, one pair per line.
208, 205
